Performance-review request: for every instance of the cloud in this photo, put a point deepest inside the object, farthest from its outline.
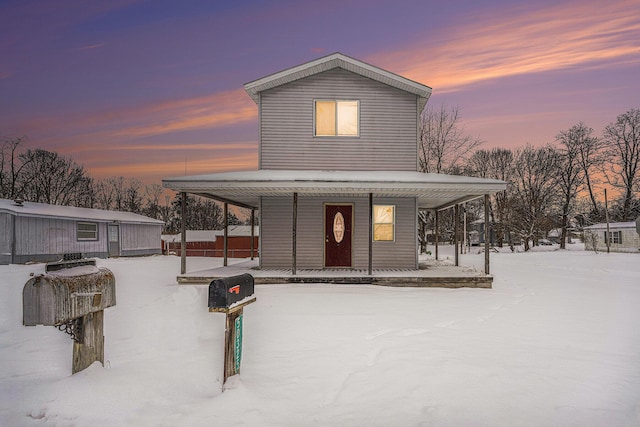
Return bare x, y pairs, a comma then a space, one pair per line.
150, 170
92, 46
523, 41
155, 118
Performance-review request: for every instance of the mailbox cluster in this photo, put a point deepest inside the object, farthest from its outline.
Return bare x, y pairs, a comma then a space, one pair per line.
72, 296
230, 295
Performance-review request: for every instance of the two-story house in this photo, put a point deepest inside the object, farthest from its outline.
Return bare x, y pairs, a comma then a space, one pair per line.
337, 184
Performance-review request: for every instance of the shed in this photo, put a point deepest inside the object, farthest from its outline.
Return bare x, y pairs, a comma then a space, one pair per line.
210, 243
38, 232
624, 237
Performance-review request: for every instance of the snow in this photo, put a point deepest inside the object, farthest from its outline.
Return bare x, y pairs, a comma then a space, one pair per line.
555, 343
72, 212
355, 179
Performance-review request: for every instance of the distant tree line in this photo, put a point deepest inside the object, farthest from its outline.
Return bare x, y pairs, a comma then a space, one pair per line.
555, 186
42, 176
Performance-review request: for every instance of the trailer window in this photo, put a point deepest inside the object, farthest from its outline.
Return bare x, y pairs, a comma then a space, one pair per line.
87, 231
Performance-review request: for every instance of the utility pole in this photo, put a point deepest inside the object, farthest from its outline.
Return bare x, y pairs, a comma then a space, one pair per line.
606, 214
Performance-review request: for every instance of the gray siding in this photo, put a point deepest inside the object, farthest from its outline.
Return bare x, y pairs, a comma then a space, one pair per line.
140, 238
47, 239
388, 126
6, 237
43, 239
276, 242
275, 232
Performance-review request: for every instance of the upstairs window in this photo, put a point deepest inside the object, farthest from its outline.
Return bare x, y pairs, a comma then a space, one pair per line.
384, 219
336, 118
87, 231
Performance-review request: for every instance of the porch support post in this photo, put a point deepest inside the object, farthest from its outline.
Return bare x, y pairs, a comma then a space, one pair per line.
436, 234
486, 234
226, 232
183, 233
370, 234
253, 226
294, 234
456, 215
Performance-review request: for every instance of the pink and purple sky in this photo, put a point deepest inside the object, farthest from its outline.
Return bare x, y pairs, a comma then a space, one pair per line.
154, 89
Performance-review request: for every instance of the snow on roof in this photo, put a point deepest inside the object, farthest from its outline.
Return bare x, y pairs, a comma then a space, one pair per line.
71, 212
603, 225
433, 190
212, 235
338, 60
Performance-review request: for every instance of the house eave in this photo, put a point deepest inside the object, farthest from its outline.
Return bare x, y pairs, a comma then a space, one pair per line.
433, 191
337, 60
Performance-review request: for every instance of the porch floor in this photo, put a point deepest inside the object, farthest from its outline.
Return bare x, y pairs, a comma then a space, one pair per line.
431, 274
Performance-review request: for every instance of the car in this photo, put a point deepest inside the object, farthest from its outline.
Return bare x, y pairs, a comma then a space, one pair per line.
545, 242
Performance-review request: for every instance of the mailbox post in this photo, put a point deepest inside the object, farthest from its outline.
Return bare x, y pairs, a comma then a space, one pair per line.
230, 295
72, 296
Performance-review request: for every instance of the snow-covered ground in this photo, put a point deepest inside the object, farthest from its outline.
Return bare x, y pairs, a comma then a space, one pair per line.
556, 342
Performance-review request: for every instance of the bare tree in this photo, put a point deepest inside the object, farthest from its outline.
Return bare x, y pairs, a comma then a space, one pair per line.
133, 196
11, 168
496, 164
50, 178
623, 153
589, 150
444, 146
443, 149
570, 173
535, 191
104, 194
152, 200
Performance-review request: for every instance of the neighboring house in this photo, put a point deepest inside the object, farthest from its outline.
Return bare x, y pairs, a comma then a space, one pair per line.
338, 183
211, 242
37, 232
623, 236
476, 233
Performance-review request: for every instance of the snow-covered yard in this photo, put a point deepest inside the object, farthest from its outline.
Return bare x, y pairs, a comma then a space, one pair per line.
556, 342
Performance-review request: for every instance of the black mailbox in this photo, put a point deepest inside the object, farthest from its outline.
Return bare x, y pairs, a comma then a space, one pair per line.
226, 292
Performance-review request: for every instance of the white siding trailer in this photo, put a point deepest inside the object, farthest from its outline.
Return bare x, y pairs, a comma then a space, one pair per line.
37, 232
622, 236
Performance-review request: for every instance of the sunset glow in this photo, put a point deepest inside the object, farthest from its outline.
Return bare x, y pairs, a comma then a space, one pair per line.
150, 90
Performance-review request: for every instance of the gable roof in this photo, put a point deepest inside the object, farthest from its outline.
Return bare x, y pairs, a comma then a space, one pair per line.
71, 212
338, 60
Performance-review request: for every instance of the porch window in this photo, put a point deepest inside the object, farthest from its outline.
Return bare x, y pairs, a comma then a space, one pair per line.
336, 118
384, 219
87, 231
616, 237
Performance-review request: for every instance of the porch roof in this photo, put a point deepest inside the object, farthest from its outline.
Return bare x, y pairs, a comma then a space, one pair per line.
433, 191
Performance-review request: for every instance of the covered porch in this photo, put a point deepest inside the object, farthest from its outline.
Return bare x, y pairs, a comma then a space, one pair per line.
435, 192
430, 274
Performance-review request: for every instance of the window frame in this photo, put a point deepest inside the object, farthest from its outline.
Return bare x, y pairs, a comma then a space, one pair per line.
336, 126
616, 237
392, 223
87, 239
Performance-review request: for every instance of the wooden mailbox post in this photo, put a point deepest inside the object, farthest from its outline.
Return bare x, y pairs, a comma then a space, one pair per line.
230, 295
72, 296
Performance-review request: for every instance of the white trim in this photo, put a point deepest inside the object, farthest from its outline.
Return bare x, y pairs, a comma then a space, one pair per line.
337, 60
432, 190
